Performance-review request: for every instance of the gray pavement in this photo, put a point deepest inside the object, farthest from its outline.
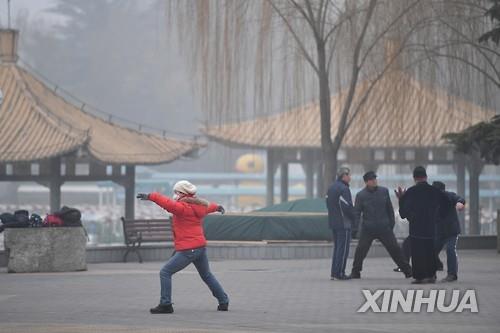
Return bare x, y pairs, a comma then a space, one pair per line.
266, 296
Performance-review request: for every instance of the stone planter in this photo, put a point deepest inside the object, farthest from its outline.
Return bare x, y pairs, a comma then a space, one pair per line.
60, 249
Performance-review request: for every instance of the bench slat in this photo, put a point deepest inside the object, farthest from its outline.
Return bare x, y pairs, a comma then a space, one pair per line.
143, 233
132, 230
147, 223
156, 239
151, 231
155, 227
156, 230
146, 235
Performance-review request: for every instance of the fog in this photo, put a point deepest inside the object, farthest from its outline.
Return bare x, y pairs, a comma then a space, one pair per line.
118, 59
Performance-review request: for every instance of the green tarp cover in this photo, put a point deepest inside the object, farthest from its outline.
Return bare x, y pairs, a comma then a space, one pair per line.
305, 219
302, 205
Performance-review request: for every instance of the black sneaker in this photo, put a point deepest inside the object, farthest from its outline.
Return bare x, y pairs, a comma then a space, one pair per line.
430, 280
341, 278
424, 281
397, 269
162, 308
450, 278
223, 307
355, 275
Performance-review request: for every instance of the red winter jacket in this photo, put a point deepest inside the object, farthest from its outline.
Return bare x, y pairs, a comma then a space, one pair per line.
188, 214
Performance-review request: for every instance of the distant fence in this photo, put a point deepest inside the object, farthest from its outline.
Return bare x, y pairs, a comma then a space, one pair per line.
259, 250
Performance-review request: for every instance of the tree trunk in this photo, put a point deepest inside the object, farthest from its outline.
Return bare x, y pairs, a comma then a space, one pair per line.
460, 171
475, 169
327, 147
330, 148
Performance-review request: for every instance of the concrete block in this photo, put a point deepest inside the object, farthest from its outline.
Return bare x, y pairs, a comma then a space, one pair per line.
59, 249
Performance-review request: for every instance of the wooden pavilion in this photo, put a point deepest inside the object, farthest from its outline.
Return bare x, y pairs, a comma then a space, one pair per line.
402, 122
46, 139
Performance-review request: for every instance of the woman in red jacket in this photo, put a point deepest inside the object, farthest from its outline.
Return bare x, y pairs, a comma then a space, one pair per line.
189, 241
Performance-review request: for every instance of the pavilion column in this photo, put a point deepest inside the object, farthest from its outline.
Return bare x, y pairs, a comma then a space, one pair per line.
270, 178
284, 181
55, 183
460, 171
475, 167
320, 185
308, 166
55, 196
309, 180
129, 185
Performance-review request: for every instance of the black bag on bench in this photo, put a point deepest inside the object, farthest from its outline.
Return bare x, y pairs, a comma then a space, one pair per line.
70, 216
20, 219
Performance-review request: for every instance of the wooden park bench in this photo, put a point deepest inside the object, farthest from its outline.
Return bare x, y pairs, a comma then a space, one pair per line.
136, 232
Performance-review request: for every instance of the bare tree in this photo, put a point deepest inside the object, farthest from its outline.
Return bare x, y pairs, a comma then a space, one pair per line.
312, 41
471, 69
494, 33
461, 37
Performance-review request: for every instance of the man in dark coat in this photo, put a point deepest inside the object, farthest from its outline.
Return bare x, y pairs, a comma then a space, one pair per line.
423, 206
448, 230
405, 248
374, 215
340, 219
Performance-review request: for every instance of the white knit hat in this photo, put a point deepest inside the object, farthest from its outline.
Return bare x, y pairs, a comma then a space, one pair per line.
185, 187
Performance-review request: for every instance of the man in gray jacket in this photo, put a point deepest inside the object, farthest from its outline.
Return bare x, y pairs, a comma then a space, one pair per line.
340, 218
374, 216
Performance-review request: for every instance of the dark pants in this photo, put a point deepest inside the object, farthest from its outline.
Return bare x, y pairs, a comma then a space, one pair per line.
406, 248
451, 253
342, 240
388, 240
423, 258
179, 261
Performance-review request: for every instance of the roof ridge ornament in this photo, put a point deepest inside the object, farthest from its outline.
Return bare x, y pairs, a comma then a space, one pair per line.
8, 45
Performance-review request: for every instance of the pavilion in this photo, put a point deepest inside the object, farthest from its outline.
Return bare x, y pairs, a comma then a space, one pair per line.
402, 122
48, 140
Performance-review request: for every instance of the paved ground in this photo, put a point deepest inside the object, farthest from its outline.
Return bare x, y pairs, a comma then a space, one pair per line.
267, 295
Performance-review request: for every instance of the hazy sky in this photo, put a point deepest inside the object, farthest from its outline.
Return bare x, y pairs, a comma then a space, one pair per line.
179, 111
35, 7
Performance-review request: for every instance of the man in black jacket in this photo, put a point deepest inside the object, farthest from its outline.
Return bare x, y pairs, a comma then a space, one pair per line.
423, 205
448, 230
373, 208
340, 219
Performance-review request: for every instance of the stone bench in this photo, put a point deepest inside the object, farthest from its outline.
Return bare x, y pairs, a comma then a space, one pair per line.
56, 249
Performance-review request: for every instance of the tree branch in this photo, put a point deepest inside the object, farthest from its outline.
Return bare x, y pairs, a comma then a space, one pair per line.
323, 17
314, 19
494, 80
295, 36
301, 10
384, 32
354, 77
435, 51
339, 23
330, 56
370, 88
